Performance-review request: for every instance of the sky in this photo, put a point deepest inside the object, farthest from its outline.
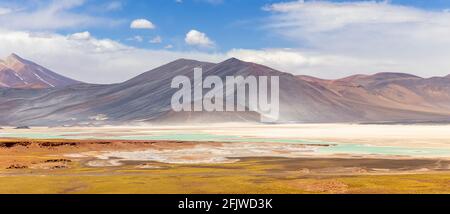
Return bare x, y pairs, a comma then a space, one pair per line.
109, 41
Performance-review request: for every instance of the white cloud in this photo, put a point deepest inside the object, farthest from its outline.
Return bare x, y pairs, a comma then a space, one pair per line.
136, 39
5, 10
275, 57
113, 6
51, 15
142, 24
197, 38
80, 36
301, 62
156, 40
331, 40
93, 60
372, 36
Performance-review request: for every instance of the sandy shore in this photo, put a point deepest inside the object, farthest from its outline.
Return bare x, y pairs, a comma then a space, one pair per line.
417, 136
107, 164
25, 153
44, 166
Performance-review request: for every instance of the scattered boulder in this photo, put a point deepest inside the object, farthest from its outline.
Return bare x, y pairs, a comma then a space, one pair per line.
22, 127
17, 166
13, 144
57, 161
58, 167
56, 144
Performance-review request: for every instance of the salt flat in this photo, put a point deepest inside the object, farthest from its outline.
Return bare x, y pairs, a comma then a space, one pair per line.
419, 136
404, 140
226, 158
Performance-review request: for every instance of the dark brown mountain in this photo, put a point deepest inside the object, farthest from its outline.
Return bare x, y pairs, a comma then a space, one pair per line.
383, 97
395, 96
16, 72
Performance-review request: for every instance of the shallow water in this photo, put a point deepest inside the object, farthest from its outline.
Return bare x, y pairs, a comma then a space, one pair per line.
334, 148
202, 153
383, 150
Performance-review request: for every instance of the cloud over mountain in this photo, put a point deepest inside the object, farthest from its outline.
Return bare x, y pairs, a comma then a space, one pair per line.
388, 37
93, 60
197, 38
322, 38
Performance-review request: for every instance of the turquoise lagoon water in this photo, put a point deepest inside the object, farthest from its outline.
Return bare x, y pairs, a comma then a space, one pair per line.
384, 150
31, 135
334, 148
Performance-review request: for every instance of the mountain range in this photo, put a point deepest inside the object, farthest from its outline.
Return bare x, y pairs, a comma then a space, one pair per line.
51, 99
16, 72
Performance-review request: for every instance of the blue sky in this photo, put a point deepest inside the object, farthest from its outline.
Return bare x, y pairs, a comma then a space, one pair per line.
328, 39
229, 23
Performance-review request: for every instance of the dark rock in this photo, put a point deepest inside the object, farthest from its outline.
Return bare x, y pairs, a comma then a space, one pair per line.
22, 127
56, 144
17, 166
13, 144
57, 161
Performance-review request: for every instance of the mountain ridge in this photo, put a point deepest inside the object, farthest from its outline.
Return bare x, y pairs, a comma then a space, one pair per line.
16, 72
146, 98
